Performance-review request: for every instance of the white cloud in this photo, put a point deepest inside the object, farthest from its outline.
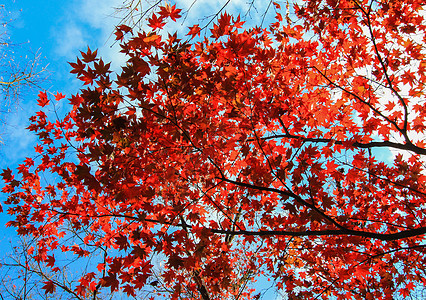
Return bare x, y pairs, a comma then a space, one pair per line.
69, 40
88, 23
99, 14
18, 141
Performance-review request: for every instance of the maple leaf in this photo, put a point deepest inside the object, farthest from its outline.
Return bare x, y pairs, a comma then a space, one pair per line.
49, 287
119, 35
110, 281
76, 100
151, 38
122, 242
50, 261
156, 22
78, 67
81, 290
404, 292
141, 66
89, 56
87, 77
59, 96
194, 31
42, 99
7, 175
101, 67
38, 149
410, 286
124, 28
129, 290
170, 11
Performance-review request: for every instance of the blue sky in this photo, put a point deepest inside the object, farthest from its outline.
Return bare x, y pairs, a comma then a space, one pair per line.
57, 30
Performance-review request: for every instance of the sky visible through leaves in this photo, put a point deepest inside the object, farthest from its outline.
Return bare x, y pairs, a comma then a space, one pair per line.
59, 30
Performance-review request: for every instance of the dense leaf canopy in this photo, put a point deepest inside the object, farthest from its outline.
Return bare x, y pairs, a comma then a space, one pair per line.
294, 151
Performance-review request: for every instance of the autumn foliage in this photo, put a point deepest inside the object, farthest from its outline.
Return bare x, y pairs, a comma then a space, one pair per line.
293, 153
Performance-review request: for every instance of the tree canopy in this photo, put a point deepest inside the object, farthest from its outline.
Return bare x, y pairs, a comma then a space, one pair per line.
293, 152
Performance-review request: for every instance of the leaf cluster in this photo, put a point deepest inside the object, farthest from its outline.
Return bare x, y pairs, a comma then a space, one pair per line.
252, 152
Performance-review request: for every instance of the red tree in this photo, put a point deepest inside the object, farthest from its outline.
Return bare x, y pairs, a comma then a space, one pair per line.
204, 164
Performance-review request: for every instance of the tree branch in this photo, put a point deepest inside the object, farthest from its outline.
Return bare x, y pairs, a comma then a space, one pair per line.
379, 236
408, 147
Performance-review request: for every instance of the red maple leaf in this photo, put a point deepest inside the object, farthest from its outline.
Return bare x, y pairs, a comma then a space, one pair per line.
49, 287
42, 99
89, 55
59, 96
156, 22
170, 11
194, 30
